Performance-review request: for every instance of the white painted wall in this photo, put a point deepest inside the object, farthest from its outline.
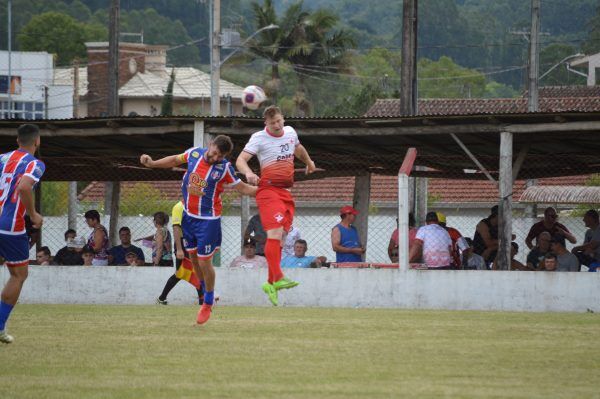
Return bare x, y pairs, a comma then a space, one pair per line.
413, 289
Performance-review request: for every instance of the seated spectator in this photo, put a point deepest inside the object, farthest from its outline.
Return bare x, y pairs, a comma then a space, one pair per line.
249, 260
290, 240
485, 240
344, 238
550, 263
470, 260
117, 254
299, 259
393, 243
567, 262
255, 231
68, 255
458, 245
589, 252
131, 259
433, 244
549, 224
536, 256
514, 264
42, 256
88, 256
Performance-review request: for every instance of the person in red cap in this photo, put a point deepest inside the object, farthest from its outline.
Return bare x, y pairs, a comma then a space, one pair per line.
344, 238
276, 147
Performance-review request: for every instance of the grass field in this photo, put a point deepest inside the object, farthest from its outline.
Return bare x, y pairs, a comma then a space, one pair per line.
66, 351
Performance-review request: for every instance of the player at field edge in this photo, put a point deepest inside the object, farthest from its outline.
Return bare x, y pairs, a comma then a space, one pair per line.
19, 173
208, 171
275, 147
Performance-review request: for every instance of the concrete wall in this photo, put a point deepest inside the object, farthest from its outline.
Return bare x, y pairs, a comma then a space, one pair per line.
453, 290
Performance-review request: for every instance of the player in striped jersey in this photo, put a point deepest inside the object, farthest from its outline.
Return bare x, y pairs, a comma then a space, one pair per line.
275, 147
19, 172
207, 173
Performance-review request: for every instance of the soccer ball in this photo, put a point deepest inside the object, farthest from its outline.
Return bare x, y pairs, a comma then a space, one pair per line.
253, 96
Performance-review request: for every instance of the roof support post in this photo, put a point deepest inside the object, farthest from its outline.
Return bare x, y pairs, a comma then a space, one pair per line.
112, 193
473, 158
404, 207
72, 206
361, 201
505, 201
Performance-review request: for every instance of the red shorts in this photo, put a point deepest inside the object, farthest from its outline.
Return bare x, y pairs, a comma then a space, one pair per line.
276, 207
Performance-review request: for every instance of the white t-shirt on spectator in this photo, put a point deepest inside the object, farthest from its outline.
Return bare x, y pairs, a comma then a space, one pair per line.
288, 246
436, 245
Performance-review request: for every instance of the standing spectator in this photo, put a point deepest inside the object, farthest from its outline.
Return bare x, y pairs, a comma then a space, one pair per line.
470, 260
249, 260
485, 241
458, 245
536, 256
42, 256
67, 255
550, 225
344, 237
290, 240
393, 243
514, 264
589, 252
567, 262
98, 240
162, 254
255, 231
299, 259
433, 244
88, 255
117, 254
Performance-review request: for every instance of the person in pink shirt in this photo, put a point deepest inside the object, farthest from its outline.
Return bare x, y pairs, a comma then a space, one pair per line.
433, 244
393, 244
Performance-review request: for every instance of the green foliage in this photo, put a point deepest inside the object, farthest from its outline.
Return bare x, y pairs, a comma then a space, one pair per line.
55, 198
55, 33
499, 90
550, 56
143, 199
166, 107
445, 79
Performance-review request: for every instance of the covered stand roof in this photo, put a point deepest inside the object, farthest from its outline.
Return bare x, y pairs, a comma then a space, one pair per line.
556, 144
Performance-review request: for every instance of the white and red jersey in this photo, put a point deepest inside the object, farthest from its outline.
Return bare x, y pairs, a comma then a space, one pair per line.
275, 155
203, 184
13, 166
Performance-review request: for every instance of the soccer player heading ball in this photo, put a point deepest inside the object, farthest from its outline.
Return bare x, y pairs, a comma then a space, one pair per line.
275, 147
207, 172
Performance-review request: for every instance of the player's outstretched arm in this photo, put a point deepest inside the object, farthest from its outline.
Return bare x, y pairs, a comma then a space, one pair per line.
242, 165
167, 162
301, 153
246, 189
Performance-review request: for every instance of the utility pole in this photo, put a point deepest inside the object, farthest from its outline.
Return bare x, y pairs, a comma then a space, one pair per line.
408, 71
215, 57
113, 59
76, 88
534, 57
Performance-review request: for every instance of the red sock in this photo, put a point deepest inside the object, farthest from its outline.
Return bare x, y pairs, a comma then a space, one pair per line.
273, 255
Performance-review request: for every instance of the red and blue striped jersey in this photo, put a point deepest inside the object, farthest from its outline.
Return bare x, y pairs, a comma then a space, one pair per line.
203, 184
13, 166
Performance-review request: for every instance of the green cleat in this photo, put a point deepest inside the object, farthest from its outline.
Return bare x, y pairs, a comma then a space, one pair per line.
271, 293
285, 283
5, 338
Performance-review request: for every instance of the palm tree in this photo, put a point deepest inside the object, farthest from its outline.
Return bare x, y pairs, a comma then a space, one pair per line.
308, 42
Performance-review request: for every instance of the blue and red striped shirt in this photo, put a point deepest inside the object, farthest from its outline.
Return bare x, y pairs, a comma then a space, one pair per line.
13, 166
203, 184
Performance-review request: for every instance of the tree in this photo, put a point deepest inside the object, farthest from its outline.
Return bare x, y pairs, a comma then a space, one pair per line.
166, 107
445, 79
55, 33
549, 57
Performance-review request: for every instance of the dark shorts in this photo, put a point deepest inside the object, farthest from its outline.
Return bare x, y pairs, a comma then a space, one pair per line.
202, 236
14, 249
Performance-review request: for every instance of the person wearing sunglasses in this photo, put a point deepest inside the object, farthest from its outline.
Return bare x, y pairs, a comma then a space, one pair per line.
551, 225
